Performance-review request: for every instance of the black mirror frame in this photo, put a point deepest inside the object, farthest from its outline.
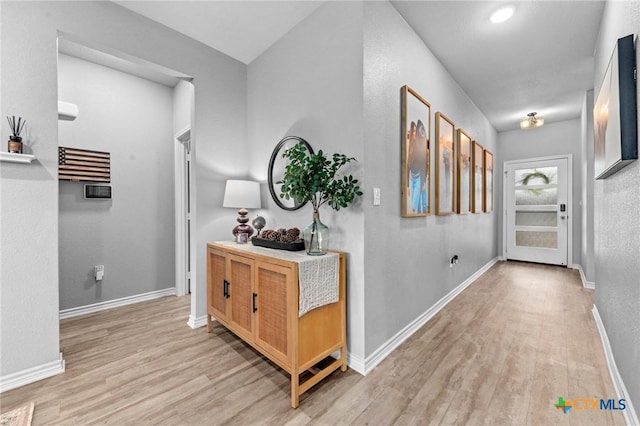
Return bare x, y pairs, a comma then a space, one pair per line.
274, 156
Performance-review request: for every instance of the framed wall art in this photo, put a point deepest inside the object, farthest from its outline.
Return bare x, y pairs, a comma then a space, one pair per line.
463, 185
416, 145
488, 181
445, 165
477, 178
614, 113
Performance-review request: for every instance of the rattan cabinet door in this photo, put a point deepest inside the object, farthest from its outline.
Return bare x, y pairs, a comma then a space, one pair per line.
216, 283
240, 277
273, 304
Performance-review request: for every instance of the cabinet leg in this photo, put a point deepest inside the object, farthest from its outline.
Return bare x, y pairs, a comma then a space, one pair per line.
295, 389
209, 324
343, 358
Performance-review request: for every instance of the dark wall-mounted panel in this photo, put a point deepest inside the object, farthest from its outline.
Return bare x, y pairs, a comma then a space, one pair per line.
83, 165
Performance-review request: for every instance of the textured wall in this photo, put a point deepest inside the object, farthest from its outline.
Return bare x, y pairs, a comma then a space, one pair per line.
309, 84
586, 174
29, 194
551, 139
617, 227
407, 259
132, 119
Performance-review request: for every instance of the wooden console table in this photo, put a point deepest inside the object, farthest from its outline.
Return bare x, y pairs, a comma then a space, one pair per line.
254, 292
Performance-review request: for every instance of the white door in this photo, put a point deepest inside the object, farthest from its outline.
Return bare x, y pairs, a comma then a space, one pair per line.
537, 211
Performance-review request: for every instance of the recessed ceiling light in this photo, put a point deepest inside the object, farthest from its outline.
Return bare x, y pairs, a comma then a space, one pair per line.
502, 14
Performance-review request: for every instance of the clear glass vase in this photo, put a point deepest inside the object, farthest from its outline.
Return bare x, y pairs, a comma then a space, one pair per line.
316, 237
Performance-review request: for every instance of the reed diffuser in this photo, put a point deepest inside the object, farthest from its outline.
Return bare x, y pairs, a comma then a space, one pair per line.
15, 140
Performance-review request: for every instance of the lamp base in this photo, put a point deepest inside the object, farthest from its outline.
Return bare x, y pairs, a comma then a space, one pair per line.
242, 232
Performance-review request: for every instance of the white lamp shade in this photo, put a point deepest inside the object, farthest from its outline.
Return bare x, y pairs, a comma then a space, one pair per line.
242, 194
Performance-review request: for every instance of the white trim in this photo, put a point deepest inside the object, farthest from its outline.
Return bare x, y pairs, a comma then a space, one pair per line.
180, 205
356, 363
629, 414
197, 322
390, 345
590, 285
30, 375
569, 158
101, 306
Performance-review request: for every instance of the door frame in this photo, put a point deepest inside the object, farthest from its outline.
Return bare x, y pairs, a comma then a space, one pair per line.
182, 154
569, 158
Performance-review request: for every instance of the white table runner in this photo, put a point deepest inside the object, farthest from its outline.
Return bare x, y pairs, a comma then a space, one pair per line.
318, 275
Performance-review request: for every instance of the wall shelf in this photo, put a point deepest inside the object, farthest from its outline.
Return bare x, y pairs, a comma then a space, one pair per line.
11, 157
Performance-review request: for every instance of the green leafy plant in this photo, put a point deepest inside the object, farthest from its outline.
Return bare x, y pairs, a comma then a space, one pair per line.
535, 175
314, 178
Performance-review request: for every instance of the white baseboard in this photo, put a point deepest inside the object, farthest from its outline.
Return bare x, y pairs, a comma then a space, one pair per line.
30, 375
197, 322
97, 307
630, 415
586, 284
390, 345
356, 363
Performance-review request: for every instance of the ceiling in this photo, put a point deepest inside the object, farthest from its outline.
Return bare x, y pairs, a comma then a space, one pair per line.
240, 29
540, 60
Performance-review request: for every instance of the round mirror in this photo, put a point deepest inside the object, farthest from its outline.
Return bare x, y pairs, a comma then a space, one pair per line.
277, 165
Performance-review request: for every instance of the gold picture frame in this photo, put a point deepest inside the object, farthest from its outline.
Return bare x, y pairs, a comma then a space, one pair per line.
488, 182
416, 148
477, 178
445, 165
464, 187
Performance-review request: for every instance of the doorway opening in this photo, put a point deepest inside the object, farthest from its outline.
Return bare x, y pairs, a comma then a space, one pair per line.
132, 234
537, 210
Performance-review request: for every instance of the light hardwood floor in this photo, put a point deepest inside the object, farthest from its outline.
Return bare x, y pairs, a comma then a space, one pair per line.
501, 353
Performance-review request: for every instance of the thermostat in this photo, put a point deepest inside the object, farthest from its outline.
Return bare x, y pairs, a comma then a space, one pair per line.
97, 192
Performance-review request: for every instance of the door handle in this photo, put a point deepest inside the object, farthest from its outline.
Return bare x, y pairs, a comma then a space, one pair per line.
255, 306
225, 288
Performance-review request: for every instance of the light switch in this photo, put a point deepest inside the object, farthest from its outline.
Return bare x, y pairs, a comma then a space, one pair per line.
376, 196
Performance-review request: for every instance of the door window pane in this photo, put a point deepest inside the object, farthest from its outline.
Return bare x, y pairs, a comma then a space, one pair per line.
538, 176
537, 239
536, 219
536, 197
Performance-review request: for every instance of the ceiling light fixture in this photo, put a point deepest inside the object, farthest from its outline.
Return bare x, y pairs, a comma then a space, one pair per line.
531, 121
502, 14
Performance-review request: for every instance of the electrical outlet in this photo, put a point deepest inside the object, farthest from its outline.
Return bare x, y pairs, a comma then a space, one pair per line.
98, 272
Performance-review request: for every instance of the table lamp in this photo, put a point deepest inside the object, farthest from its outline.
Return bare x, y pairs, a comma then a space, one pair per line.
242, 194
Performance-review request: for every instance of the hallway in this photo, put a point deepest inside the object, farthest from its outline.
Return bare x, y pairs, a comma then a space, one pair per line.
500, 353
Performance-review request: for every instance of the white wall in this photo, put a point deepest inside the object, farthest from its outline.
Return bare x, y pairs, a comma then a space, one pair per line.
340, 90
182, 106
309, 84
132, 234
407, 259
586, 174
617, 228
29, 194
551, 139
